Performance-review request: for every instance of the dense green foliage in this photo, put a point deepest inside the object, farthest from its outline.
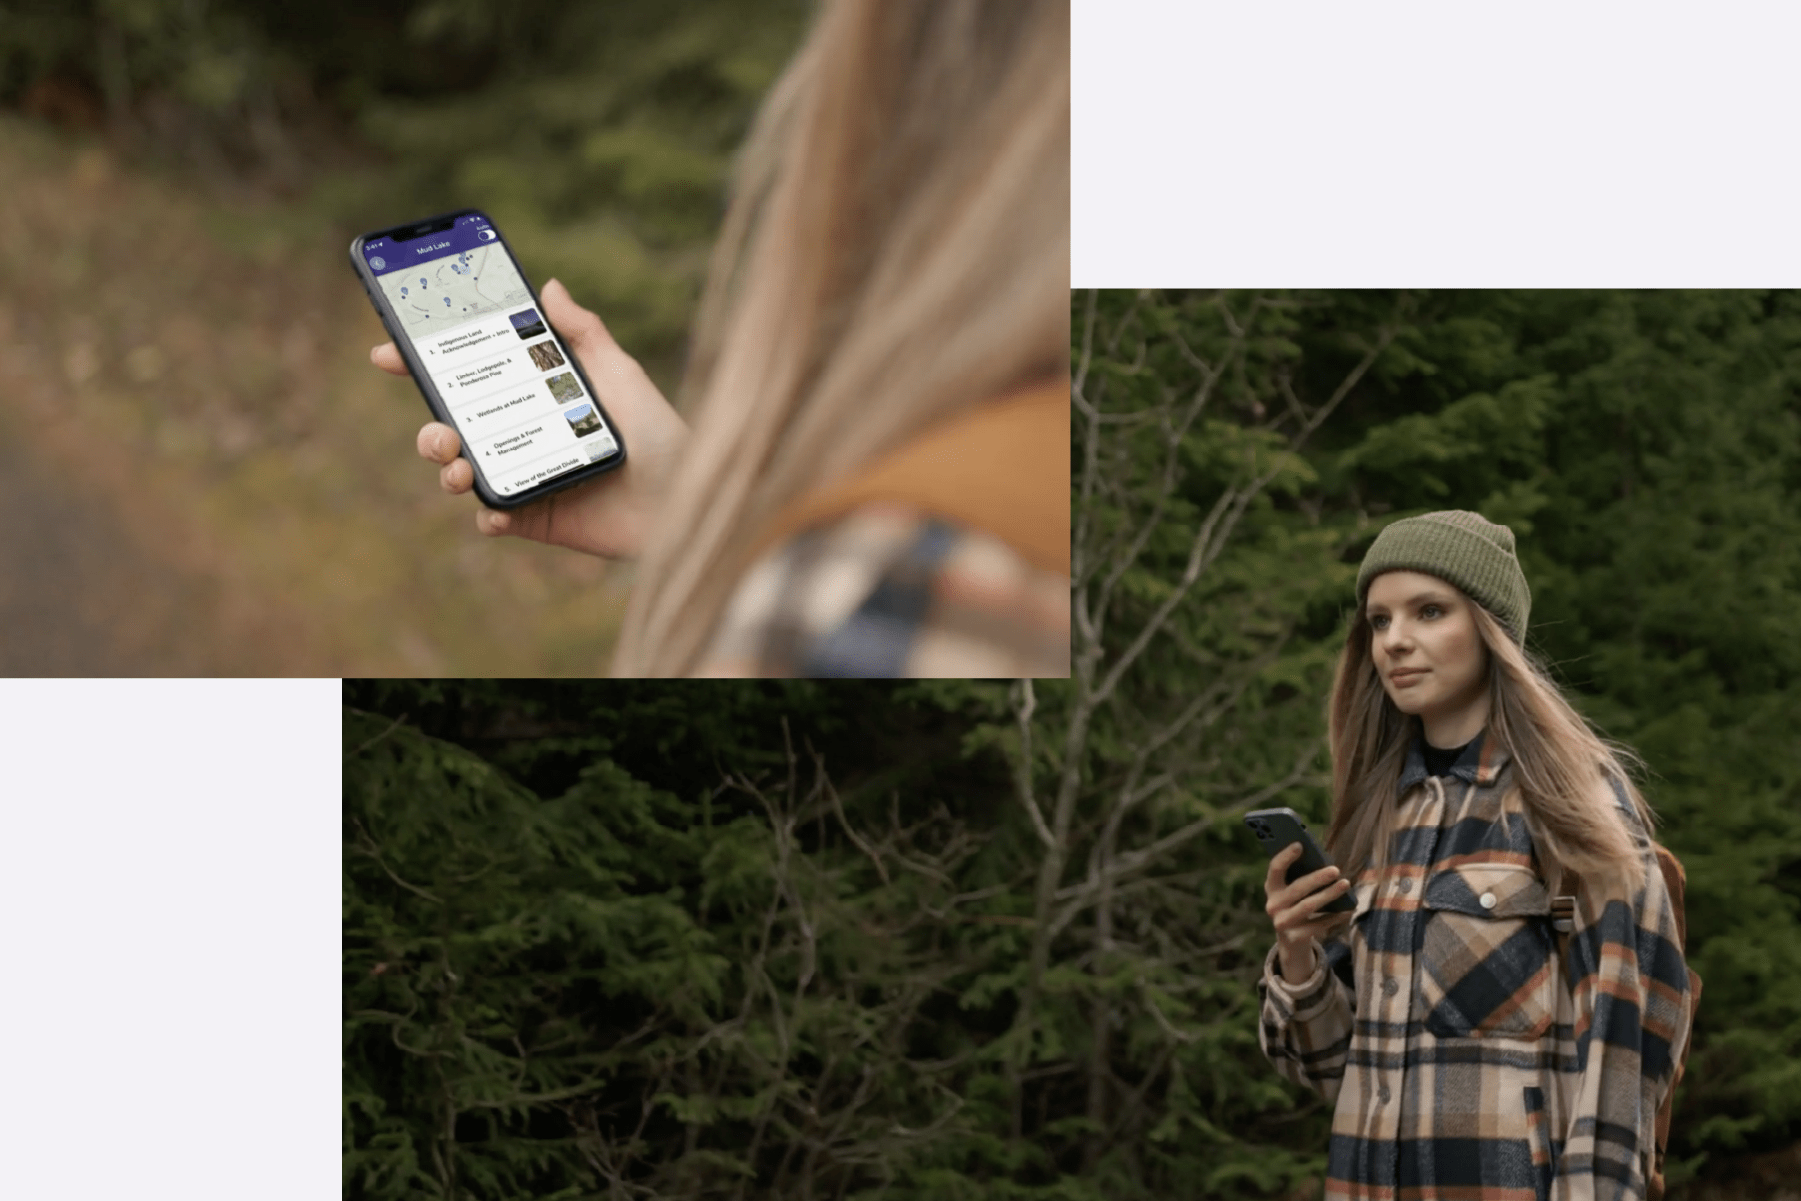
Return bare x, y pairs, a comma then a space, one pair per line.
1001, 941
607, 939
599, 135
674, 968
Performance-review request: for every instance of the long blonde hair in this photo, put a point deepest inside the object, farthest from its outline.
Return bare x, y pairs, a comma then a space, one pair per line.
1561, 765
897, 250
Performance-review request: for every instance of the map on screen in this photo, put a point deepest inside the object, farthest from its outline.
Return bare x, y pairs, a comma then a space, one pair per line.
454, 289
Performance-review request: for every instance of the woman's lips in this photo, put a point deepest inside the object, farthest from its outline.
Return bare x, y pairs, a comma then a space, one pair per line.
1401, 679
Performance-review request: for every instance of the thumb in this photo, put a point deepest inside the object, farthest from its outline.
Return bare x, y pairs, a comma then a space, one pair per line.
584, 330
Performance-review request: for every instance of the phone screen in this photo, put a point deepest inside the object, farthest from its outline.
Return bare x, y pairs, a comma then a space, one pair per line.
498, 367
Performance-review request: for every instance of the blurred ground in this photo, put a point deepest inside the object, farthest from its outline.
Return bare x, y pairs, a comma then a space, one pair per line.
202, 473
69, 560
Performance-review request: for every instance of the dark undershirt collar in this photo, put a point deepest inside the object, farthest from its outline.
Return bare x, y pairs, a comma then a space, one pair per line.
1439, 761
1423, 760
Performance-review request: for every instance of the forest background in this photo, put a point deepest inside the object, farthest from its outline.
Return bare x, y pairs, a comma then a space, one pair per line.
206, 475
974, 940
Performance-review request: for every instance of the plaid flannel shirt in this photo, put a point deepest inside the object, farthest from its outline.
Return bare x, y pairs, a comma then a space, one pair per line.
888, 591
1465, 1060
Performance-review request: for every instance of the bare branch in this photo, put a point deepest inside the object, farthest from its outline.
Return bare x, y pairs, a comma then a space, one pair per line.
1212, 536
369, 848
1174, 433
1156, 1011
843, 822
1139, 860
1081, 373
1024, 707
369, 742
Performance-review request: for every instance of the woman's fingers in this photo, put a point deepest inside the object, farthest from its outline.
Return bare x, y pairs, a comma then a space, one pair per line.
1283, 894
456, 477
617, 376
1306, 910
1307, 885
1313, 904
387, 358
1276, 879
438, 442
1295, 907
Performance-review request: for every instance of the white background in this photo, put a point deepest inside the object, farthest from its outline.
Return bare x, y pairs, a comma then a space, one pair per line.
170, 931
1303, 142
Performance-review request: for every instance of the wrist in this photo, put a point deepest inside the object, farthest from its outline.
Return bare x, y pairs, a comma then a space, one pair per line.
1298, 962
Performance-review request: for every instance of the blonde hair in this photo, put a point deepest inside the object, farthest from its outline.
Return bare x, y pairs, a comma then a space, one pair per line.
1561, 765
897, 250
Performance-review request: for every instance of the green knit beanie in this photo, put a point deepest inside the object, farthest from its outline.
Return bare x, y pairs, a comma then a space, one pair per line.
1462, 547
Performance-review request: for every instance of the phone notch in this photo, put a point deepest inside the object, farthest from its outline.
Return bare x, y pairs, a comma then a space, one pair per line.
423, 229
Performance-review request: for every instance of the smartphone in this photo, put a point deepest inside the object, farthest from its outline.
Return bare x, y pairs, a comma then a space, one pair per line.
472, 332
1275, 829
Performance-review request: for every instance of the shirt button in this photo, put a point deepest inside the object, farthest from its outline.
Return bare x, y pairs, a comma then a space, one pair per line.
1487, 900
1382, 1094
1389, 987
1407, 885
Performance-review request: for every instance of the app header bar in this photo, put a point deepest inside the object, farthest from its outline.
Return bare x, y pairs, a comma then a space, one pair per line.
386, 254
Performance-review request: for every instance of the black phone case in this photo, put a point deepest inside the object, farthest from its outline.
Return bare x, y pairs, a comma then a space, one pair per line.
439, 410
1275, 829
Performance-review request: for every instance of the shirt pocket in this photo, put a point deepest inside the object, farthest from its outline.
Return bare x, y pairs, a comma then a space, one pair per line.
1485, 955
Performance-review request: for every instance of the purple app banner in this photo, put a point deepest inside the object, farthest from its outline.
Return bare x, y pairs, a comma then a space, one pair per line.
386, 254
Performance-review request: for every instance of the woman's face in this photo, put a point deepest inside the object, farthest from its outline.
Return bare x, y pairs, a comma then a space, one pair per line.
1432, 661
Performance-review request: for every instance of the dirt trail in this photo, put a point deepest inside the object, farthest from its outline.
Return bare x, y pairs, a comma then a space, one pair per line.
80, 597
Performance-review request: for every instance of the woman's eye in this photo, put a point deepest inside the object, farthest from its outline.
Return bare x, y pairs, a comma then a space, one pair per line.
1379, 623
1430, 611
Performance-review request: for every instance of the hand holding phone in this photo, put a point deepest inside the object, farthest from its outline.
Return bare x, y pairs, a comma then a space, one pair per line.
1305, 895
608, 516
518, 417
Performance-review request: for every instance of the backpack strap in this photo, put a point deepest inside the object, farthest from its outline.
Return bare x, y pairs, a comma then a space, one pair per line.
1563, 906
1001, 467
